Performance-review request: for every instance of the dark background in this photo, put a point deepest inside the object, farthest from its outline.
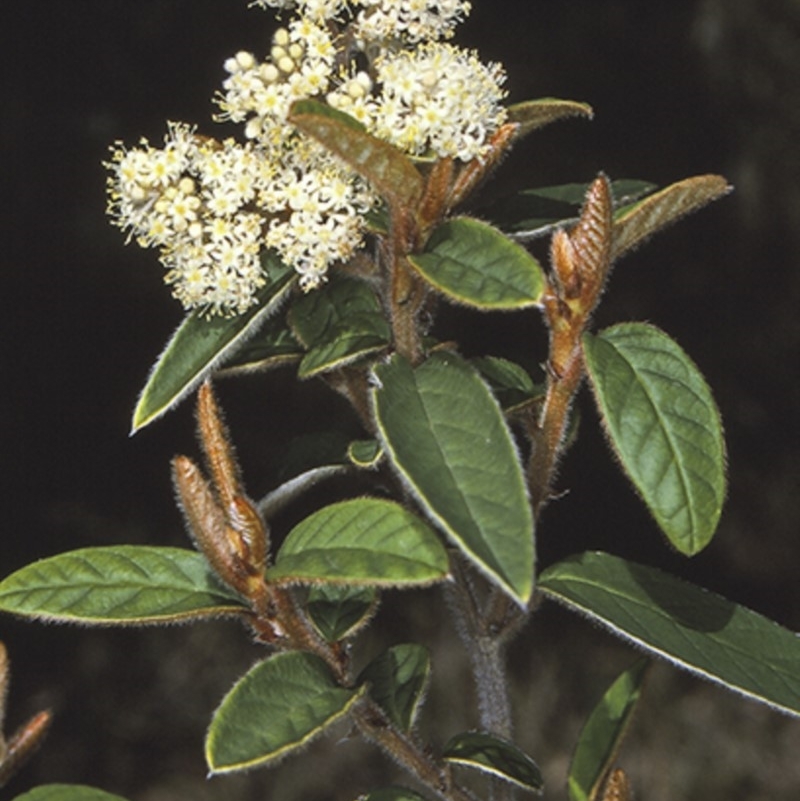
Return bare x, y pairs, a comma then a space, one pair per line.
679, 88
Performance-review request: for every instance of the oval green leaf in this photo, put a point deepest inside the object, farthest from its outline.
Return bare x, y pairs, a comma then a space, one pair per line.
340, 323
601, 737
634, 224
67, 792
365, 453
277, 707
397, 682
473, 263
462, 467
388, 169
691, 627
496, 756
201, 344
338, 612
118, 585
663, 424
363, 541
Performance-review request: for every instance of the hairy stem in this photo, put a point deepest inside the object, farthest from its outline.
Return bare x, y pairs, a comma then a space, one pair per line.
375, 726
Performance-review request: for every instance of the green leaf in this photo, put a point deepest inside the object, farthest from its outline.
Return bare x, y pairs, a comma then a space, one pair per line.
636, 223
273, 345
338, 612
202, 344
340, 323
691, 627
362, 541
491, 754
532, 213
534, 114
663, 424
392, 794
397, 682
511, 384
462, 467
67, 792
277, 707
365, 453
388, 169
602, 735
118, 585
475, 264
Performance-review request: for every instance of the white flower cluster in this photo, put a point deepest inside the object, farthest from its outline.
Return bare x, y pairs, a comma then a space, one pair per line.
300, 65
436, 99
411, 20
211, 207
188, 199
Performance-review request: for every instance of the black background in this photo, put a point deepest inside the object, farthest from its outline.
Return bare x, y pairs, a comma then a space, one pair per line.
678, 88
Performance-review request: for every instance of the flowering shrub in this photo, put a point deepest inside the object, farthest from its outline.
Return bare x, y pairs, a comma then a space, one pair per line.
327, 238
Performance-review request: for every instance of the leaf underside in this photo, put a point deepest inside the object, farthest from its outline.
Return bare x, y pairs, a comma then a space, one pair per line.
600, 739
691, 627
496, 756
67, 792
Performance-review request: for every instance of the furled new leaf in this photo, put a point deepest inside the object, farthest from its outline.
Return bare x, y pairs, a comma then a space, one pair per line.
475, 264
602, 734
691, 627
277, 707
533, 114
397, 682
446, 435
202, 344
496, 756
339, 611
388, 169
67, 792
663, 424
362, 541
339, 324
641, 220
118, 585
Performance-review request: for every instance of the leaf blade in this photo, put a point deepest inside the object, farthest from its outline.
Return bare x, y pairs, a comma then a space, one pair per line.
464, 469
599, 740
118, 585
638, 222
496, 756
665, 427
365, 541
277, 707
200, 345
67, 792
693, 628
397, 682
388, 169
472, 263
